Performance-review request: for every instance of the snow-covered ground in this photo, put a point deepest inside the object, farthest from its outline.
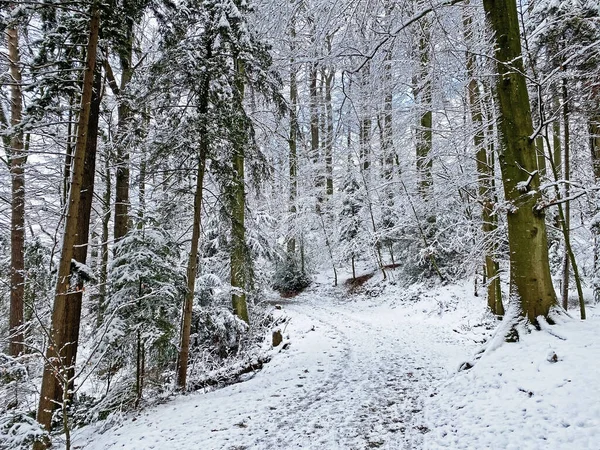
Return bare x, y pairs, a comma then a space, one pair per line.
540, 393
379, 370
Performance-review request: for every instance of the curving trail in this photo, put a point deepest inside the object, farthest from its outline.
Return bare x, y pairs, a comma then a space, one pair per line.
355, 377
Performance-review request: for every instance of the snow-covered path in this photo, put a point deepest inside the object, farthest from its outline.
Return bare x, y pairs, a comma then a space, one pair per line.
354, 377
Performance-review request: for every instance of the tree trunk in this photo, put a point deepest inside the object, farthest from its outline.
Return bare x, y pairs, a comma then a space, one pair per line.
539, 144
484, 178
293, 141
104, 244
192, 265
142, 193
594, 131
121, 225
314, 131
56, 364
365, 124
238, 258
84, 211
424, 136
328, 147
388, 153
17, 159
139, 370
387, 138
68, 153
191, 273
530, 279
556, 144
567, 207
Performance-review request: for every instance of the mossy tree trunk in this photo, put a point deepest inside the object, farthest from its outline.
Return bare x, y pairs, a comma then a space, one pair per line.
238, 259
530, 278
424, 135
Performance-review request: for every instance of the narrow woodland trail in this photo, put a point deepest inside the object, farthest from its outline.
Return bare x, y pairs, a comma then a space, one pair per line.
354, 377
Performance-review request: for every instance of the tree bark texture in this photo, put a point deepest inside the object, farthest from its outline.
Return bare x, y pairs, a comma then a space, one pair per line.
191, 273
84, 212
238, 259
365, 124
101, 301
530, 278
17, 158
121, 225
56, 364
328, 147
424, 135
567, 207
594, 131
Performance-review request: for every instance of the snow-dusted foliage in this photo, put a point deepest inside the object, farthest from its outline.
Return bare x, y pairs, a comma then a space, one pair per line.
18, 429
146, 291
290, 277
217, 331
324, 143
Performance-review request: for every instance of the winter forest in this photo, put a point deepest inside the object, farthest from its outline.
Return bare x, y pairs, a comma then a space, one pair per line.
318, 224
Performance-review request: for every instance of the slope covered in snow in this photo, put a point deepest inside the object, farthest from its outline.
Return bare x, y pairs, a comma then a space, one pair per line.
378, 369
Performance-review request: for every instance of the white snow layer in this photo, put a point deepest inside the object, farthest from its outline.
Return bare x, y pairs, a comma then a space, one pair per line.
379, 370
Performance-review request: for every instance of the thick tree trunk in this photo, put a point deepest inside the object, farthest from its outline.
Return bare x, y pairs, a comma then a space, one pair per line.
238, 259
68, 153
530, 278
17, 159
122, 222
56, 364
84, 211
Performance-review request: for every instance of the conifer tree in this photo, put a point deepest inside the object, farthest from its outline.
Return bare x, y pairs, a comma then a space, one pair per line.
56, 367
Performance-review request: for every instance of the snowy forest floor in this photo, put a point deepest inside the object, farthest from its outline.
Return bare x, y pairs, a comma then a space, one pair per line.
378, 369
